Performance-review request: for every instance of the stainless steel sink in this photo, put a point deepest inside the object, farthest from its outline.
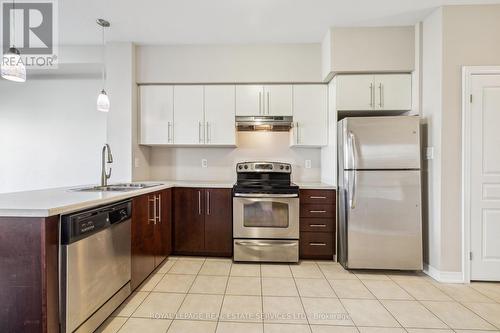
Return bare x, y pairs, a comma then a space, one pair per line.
123, 187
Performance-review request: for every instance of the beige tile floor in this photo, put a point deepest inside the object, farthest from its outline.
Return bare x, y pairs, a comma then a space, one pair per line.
193, 294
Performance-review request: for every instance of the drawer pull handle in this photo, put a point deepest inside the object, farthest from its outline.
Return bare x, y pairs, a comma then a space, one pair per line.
315, 197
317, 244
317, 211
317, 225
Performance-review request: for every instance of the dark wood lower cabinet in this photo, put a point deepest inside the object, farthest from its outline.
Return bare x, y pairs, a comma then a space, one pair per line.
317, 224
151, 233
219, 222
29, 294
203, 221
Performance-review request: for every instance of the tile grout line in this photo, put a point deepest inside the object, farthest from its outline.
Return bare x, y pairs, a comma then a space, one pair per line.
223, 297
300, 297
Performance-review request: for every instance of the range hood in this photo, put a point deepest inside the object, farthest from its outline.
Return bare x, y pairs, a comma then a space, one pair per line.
264, 123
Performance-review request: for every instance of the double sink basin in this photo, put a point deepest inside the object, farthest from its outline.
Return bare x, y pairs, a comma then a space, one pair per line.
123, 187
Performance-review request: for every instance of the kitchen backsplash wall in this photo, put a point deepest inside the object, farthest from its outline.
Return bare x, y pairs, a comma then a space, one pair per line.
186, 163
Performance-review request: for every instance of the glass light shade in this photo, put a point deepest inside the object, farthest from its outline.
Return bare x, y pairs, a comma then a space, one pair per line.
13, 68
103, 102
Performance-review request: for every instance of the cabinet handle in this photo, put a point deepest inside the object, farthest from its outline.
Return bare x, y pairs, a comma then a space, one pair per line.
208, 202
159, 208
371, 95
152, 219
199, 202
268, 103
317, 211
317, 225
207, 132
381, 95
169, 134
316, 197
298, 133
260, 103
317, 244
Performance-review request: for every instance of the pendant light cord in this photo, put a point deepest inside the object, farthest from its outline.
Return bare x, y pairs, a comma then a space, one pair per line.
103, 60
13, 23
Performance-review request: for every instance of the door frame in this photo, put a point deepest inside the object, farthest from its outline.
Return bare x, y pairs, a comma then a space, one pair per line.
467, 73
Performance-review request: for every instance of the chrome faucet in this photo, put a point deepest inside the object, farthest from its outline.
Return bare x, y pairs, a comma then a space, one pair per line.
104, 175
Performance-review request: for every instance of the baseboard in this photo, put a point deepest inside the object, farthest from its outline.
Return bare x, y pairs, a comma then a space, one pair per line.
443, 276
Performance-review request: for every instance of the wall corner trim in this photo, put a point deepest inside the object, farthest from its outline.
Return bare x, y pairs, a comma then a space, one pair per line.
444, 276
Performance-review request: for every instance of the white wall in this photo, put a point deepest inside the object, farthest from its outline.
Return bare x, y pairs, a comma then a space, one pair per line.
229, 63
432, 61
50, 133
185, 163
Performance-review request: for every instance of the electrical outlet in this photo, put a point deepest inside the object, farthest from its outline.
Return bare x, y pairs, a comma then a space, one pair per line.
308, 164
429, 153
204, 163
136, 162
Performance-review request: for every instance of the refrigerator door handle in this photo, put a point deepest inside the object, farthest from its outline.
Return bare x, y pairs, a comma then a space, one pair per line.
353, 152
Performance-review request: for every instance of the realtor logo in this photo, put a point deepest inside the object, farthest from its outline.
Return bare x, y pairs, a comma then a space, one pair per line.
30, 26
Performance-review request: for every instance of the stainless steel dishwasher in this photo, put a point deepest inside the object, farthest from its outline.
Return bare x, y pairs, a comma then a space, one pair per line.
95, 265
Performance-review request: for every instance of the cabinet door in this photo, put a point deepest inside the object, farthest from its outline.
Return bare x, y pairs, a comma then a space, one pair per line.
163, 226
393, 92
278, 100
189, 226
218, 222
219, 115
310, 114
156, 114
249, 100
188, 115
142, 260
355, 92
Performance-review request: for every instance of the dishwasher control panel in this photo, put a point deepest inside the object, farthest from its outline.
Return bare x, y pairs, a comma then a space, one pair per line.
81, 225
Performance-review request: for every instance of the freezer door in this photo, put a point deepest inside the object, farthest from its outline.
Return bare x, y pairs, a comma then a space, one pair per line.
384, 224
381, 143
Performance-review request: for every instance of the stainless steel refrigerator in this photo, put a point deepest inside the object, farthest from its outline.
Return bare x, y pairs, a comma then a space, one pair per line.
379, 201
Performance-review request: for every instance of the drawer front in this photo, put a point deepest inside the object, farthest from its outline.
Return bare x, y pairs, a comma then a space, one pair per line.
322, 211
317, 196
317, 225
316, 245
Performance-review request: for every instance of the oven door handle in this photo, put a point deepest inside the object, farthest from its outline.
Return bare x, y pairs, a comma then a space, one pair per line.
243, 243
265, 195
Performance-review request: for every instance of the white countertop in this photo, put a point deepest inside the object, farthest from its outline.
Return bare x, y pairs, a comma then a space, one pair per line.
56, 201
315, 186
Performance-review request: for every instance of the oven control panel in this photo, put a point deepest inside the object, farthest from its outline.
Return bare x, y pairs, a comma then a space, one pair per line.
263, 167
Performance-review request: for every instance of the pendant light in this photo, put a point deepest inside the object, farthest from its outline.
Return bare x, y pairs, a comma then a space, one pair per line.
13, 68
103, 99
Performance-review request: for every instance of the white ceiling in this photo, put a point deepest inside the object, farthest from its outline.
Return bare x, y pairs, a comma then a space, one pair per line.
232, 21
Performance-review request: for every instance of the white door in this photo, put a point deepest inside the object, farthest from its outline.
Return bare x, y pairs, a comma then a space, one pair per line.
310, 115
188, 115
219, 115
393, 92
156, 114
249, 100
485, 178
355, 92
278, 100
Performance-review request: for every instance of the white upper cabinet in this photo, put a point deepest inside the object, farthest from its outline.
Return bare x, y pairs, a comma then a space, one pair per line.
264, 100
156, 114
188, 115
393, 92
365, 92
354, 92
249, 100
219, 115
277, 100
310, 115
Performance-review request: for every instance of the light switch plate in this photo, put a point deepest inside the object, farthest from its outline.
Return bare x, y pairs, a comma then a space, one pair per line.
204, 163
308, 164
429, 153
136, 162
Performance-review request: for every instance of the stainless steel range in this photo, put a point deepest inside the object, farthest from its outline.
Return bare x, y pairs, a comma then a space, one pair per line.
265, 213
